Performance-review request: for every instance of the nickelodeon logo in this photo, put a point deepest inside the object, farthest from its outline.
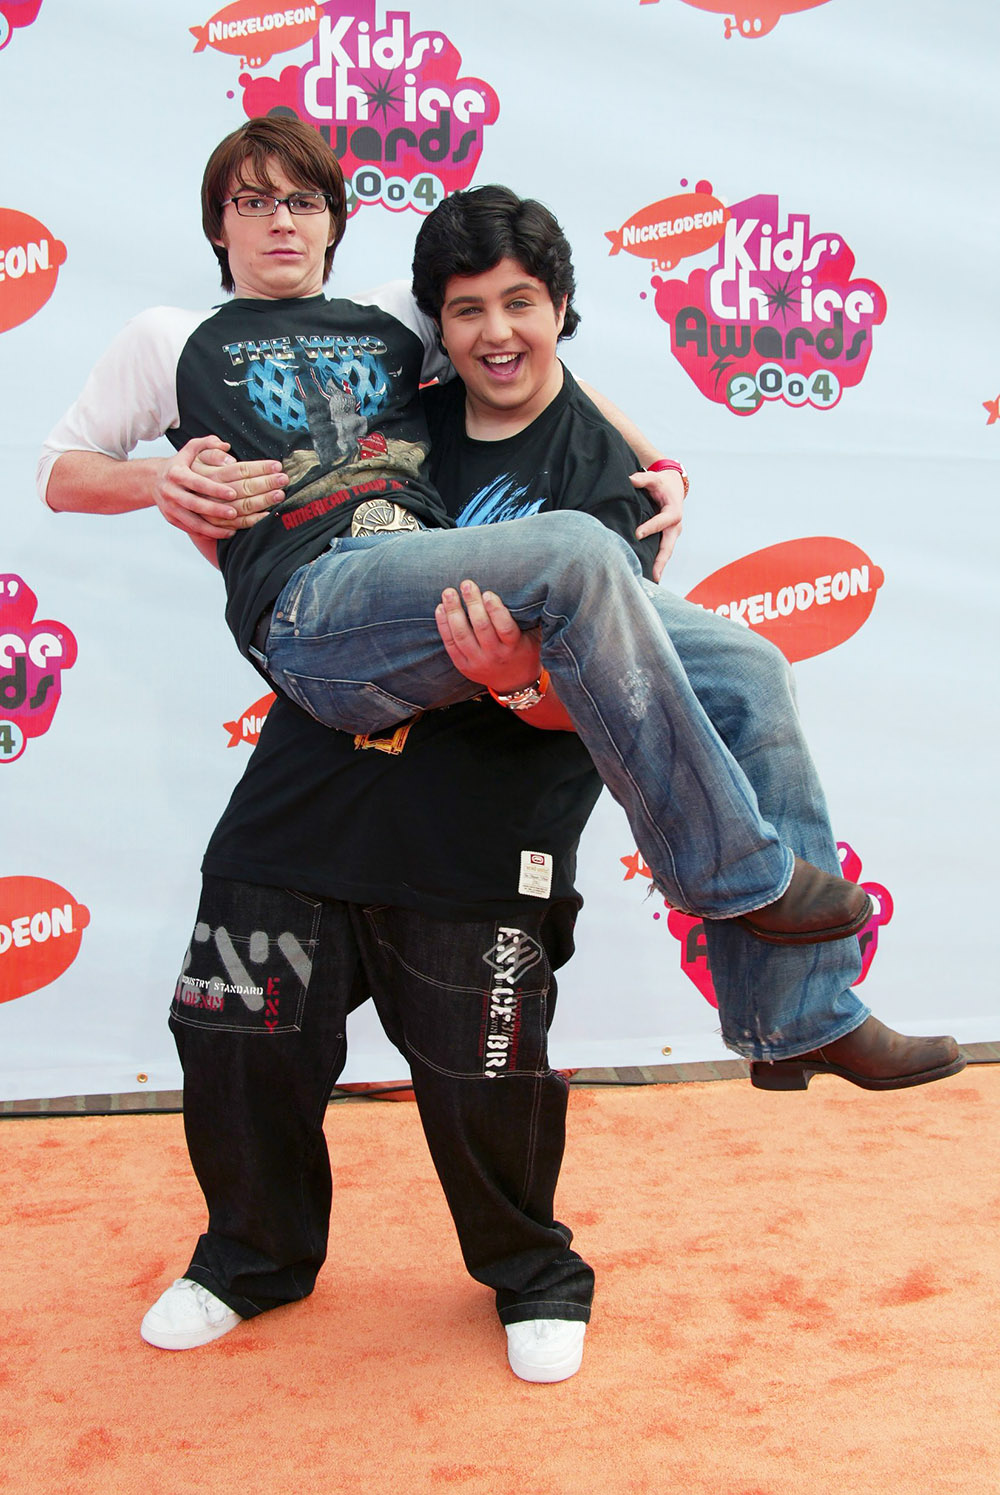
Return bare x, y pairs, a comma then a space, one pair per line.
29, 263
246, 728
248, 29
807, 596
41, 927
674, 228
749, 18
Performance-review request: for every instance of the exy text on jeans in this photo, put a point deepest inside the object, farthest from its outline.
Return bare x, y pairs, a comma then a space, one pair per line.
510, 957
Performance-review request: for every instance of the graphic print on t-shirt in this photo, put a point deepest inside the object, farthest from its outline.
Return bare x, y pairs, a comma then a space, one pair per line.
504, 498
331, 389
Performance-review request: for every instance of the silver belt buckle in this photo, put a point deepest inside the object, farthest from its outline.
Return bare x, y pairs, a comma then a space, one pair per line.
380, 516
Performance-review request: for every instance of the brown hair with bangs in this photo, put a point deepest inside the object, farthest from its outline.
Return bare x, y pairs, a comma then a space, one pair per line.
304, 157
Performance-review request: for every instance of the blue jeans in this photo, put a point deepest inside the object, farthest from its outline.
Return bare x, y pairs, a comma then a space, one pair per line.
353, 641
774, 1001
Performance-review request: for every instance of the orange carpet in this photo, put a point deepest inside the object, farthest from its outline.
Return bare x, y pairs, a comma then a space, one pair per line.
795, 1294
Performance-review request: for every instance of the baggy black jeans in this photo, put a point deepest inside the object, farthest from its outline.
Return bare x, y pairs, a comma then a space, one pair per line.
259, 1018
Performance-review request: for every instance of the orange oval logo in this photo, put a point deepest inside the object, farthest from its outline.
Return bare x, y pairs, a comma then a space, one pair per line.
806, 596
41, 926
752, 18
29, 264
256, 31
247, 728
668, 231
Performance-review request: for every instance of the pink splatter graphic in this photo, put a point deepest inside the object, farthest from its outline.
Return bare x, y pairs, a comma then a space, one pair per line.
779, 316
14, 14
405, 124
689, 931
33, 654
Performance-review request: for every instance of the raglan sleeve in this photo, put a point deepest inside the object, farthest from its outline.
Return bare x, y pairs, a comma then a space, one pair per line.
396, 297
130, 394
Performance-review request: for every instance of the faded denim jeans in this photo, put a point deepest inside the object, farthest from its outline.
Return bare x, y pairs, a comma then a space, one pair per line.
690, 721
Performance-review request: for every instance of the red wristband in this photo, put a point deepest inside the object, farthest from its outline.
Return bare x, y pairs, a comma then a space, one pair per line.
667, 464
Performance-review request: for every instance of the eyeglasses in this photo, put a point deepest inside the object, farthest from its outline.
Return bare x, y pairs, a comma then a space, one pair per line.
259, 205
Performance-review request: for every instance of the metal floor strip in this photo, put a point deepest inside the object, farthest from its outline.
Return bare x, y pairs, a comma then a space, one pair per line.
143, 1103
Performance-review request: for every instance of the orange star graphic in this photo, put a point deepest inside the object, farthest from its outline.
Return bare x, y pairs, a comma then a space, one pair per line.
993, 409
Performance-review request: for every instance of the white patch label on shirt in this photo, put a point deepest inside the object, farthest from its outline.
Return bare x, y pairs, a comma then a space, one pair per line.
536, 874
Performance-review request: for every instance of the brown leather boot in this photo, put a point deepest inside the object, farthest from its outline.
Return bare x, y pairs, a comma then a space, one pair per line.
814, 908
873, 1056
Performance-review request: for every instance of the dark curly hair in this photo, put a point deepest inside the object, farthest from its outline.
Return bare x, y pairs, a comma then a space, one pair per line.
472, 231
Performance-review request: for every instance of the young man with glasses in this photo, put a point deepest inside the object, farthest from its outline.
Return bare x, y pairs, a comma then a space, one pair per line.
285, 374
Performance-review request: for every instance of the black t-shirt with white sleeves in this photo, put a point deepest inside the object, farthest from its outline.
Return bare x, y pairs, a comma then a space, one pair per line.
327, 386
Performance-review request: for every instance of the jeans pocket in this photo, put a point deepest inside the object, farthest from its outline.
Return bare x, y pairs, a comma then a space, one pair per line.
249, 964
472, 1002
349, 705
290, 596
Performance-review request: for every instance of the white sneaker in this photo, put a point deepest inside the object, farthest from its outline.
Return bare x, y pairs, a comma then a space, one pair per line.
545, 1349
185, 1316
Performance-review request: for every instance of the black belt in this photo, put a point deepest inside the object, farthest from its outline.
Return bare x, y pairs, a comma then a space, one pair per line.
262, 628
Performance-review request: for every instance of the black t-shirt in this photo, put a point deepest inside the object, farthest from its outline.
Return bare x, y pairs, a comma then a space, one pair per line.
442, 825
330, 388
568, 458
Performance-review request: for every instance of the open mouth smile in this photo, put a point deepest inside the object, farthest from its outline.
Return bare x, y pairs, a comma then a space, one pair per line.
502, 365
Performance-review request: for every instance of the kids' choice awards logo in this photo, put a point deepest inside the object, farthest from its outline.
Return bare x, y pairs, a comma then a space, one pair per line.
41, 926
29, 263
779, 316
14, 14
807, 596
33, 654
689, 931
749, 18
404, 121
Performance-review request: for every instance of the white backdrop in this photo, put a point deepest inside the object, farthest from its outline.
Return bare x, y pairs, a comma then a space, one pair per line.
873, 128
